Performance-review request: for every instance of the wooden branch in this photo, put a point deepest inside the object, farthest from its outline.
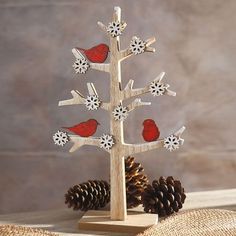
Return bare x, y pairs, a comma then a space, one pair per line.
148, 43
130, 149
169, 92
100, 67
80, 141
127, 53
179, 132
102, 26
137, 103
78, 98
117, 14
76, 52
91, 89
129, 92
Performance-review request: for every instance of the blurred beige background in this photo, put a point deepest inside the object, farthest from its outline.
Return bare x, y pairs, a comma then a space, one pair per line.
195, 47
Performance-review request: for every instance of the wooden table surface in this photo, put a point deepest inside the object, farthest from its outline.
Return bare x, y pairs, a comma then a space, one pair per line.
64, 221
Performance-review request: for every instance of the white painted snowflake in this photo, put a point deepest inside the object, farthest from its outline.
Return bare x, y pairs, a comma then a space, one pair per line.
120, 113
172, 143
157, 88
137, 45
60, 138
81, 65
115, 28
106, 141
92, 102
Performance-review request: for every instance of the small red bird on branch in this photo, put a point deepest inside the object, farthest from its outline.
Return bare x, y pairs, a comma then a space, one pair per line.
84, 129
150, 130
96, 54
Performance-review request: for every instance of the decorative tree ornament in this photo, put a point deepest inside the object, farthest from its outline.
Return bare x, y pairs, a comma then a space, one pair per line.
120, 113
81, 65
92, 102
137, 45
157, 88
84, 129
121, 149
172, 142
115, 28
106, 141
60, 138
150, 130
96, 54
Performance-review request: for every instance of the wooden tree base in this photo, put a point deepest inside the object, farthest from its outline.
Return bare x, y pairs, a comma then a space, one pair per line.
136, 222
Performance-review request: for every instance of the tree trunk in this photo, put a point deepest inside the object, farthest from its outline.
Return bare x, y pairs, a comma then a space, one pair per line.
117, 166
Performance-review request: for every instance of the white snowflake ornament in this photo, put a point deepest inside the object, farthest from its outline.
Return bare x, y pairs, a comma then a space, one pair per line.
60, 138
106, 141
92, 102
115, 28
172, 142
157, 88
81, 65
120, 113
137, 45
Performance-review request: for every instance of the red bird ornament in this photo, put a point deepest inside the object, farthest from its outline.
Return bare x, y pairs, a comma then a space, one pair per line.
96, 54
84, 129
150, 130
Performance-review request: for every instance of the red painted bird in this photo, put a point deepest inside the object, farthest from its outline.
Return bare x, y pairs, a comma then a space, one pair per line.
96, 54
150, 131
84, 129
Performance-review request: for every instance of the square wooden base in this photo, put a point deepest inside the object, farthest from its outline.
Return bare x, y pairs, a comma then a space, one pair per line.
136, 222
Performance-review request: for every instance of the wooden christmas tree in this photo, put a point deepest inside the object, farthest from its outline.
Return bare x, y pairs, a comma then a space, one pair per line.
113, 142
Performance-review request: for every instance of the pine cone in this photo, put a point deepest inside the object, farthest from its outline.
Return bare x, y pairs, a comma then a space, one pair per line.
136, 182
163, 197
90, 195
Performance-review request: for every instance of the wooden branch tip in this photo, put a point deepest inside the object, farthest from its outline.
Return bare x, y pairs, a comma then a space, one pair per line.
77, 98
117, 12
124, 24
150, 49
137, 103
150, 41
102, 26
76, 52
129, 92
170, 93
129, 85
160, 76
91, 89
180, 131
